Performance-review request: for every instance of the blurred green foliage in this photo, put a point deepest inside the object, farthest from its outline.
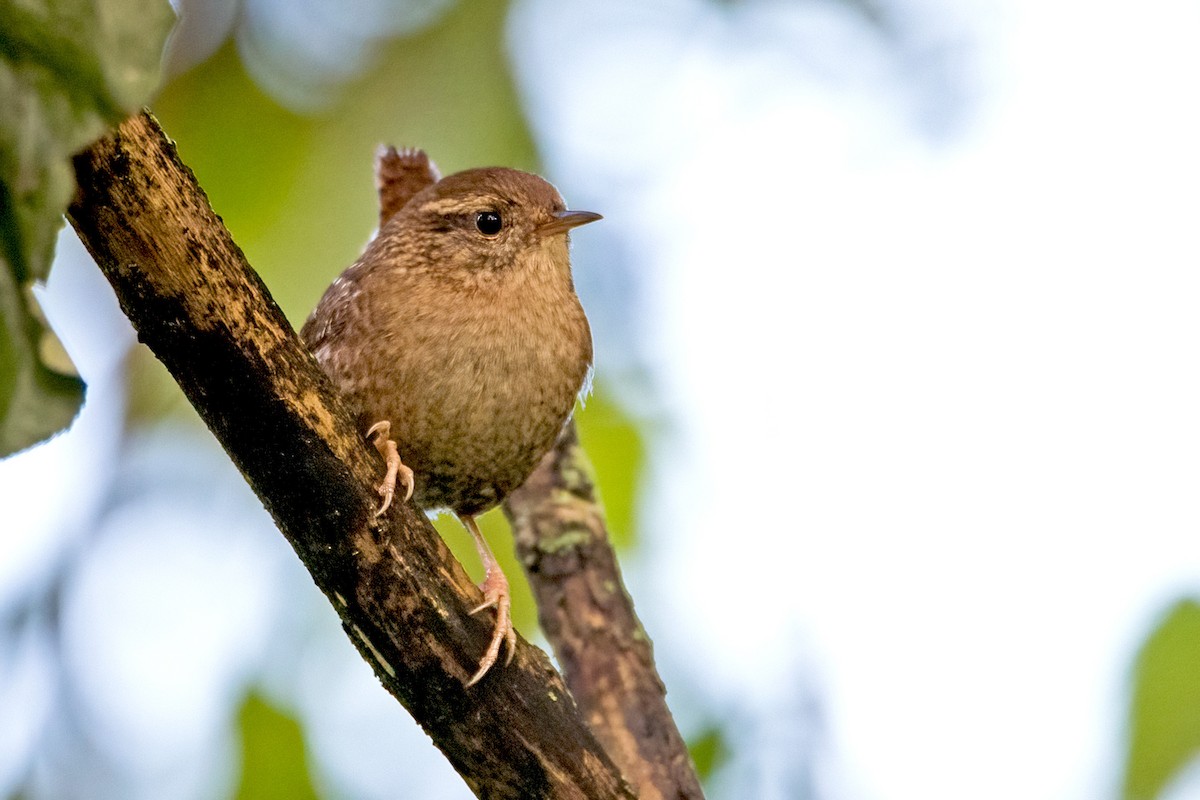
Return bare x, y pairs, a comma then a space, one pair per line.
613, 442
68, 70
1164, 718
274, 762
709, 751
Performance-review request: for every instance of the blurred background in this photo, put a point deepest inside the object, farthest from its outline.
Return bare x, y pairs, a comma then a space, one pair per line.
895, 413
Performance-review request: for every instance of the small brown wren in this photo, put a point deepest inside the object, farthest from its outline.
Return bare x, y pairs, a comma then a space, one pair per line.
459, 339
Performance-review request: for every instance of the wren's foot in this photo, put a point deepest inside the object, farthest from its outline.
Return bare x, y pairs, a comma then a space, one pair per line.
495, 593
380, 435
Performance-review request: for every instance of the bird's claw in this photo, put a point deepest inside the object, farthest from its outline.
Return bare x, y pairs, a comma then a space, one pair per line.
380, 436
495, 593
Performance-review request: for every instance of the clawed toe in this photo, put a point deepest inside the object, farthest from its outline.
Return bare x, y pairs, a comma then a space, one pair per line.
502, 632
406, 478
380, 434
495, 593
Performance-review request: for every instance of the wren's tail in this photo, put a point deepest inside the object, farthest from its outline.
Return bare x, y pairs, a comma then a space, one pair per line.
399, 175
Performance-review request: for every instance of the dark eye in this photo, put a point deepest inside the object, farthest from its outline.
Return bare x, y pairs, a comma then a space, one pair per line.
488, 223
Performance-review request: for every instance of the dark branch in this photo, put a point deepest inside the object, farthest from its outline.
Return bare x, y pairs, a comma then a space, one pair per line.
401, 596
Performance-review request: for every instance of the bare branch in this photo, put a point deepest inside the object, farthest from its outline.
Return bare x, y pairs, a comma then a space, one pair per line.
589, 619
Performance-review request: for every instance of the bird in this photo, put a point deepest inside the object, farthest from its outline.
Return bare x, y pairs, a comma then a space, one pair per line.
460, 341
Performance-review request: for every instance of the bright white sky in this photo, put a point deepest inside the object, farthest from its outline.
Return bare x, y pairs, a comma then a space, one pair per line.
934, 446
938, 445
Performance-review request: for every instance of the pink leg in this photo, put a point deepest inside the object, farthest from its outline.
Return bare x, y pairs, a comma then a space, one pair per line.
380, 435
495, 593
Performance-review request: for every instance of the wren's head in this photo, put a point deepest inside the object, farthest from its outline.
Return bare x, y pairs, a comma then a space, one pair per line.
483, 220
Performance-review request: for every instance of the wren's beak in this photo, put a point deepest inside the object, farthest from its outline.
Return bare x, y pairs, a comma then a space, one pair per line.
565, 220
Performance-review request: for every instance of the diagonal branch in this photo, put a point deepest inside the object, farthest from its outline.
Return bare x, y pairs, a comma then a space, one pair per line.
587, 615
401, 596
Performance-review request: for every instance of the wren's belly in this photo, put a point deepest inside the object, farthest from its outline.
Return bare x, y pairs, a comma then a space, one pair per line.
485, 421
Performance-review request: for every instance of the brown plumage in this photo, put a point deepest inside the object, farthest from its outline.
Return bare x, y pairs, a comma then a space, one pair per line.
458, 335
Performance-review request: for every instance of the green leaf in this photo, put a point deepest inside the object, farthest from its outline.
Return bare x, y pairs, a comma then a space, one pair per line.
274, 762
1164, 716
39, 395
68, 70
614, 445
709, 751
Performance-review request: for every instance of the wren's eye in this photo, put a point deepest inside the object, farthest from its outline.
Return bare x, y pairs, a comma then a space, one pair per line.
488, 223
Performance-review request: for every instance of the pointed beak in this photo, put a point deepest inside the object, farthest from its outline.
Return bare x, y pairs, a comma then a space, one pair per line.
565, 220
